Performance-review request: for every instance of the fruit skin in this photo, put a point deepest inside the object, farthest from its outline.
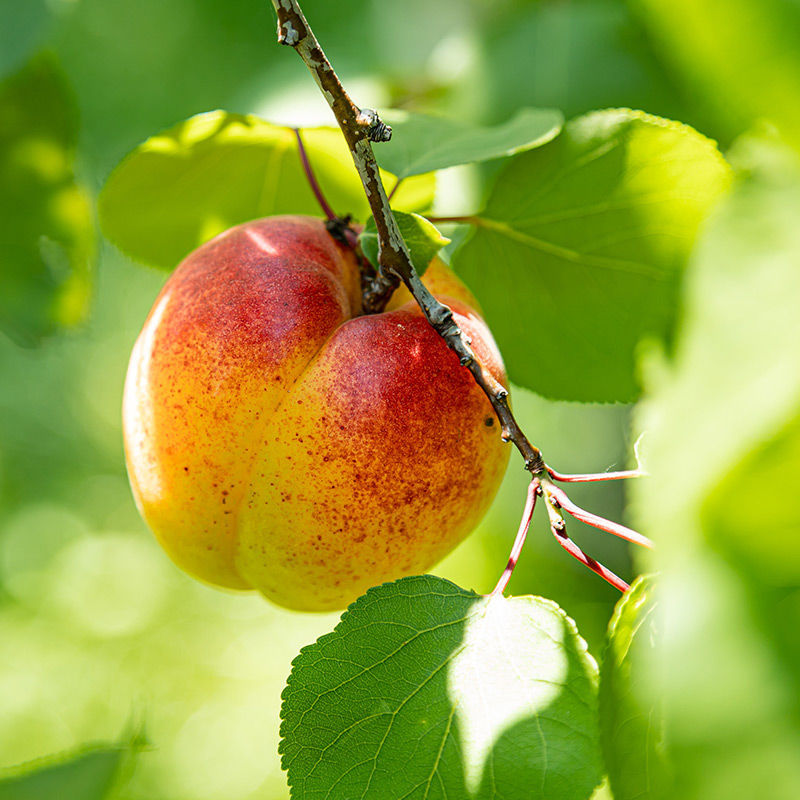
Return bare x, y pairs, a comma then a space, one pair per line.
276, 439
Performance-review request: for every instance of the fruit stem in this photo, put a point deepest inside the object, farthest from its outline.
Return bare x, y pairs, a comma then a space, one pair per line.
312, 180
519, 541
592, 477
559, 496
558, 527
395, 188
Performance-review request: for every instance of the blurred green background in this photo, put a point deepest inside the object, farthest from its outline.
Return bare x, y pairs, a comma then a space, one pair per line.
99, 633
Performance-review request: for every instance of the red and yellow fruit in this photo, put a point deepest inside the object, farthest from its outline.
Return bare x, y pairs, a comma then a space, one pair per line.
279, 440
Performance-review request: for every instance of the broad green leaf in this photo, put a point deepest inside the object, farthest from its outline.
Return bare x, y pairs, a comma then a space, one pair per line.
631, 733
425, 690
22, 26
89, 775
422, 143
578, 253
46, 231
722, 503
189, 183
422, 239
744, 57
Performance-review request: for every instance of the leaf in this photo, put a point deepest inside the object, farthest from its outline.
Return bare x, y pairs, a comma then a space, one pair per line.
723, 421
579, 251
22, 27
422, 239
88, 775
46, 227
742, 57
187, 184
423, 143
631, 733
424, 690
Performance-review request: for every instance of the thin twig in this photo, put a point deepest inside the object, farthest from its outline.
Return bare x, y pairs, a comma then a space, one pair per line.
595, 566
560, 497
395, 188
312, 180
592, 477
519, 541
559, 530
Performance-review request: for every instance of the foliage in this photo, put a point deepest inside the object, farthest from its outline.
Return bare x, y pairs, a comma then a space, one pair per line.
88, 775
426, 143
590, 235
187, 184
616, 255
421, 236
46, 224
425, 690
729, 586
632, 733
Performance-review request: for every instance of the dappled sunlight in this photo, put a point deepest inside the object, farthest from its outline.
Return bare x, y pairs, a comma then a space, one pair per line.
509, 692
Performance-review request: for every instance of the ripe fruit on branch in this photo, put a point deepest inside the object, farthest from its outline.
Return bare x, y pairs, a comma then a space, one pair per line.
279, 440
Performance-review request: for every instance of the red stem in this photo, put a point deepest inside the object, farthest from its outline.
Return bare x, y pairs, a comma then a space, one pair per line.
394, 188
312, 181
596, 476
575, 551
597, 522
524, 525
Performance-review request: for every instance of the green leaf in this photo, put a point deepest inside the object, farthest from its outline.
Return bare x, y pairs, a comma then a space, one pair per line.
189, 183
422, 239
631, 733
723, 424
578, 253
89, 775
422, 143
425, 690
46, 231
22, 27
743, 57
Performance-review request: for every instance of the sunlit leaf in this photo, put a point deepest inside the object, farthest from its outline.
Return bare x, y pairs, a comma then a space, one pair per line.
722, 503
631, 733
46, 228
424, 143
578, 253
191, 182
421, 237
425, 690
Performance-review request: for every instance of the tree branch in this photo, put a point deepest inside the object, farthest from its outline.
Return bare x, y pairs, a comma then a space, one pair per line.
361, 127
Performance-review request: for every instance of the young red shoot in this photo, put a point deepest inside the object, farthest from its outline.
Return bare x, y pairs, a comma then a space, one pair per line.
592, 477
519, 541
557, 500
596, 521
312, 180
